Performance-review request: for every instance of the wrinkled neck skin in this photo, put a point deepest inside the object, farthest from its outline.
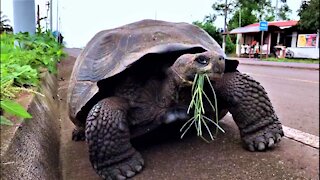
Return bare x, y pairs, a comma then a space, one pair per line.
170, 89
175, 90
174, 100
166, 100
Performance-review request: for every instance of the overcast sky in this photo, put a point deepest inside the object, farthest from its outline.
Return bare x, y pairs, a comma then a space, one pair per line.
81, 19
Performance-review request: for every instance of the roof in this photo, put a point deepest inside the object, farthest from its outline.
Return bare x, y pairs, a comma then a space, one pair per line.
255, 27
278, 23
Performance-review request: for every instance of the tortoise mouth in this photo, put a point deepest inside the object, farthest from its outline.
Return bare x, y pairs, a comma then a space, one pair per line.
215, 76
211, 75
188, 80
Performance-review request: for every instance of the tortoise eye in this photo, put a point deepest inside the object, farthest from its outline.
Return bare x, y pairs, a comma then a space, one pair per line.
202, 60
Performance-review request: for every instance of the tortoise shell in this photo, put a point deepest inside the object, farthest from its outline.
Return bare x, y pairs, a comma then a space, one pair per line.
112, 51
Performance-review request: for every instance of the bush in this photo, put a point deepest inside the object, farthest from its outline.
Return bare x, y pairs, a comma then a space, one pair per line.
211, 30
216, 35
230, 46
23, 58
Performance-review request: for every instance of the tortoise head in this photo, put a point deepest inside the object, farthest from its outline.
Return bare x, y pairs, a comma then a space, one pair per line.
209, 62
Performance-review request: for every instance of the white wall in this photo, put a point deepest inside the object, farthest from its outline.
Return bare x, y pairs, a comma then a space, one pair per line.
294, 39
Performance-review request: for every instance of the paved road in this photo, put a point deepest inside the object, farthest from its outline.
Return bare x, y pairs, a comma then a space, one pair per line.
293, 92
168, 157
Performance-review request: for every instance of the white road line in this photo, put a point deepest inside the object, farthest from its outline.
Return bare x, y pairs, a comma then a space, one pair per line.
300, 136
292, 79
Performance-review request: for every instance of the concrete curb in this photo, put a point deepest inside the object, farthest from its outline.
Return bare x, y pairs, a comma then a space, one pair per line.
302, 137
31, 150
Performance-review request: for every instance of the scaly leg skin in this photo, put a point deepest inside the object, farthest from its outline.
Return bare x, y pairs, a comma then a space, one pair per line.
251, 109
108, 138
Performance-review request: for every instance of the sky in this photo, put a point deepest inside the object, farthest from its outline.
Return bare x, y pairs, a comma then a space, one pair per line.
80, 20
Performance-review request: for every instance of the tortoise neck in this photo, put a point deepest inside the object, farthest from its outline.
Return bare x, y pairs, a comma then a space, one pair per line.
170, 88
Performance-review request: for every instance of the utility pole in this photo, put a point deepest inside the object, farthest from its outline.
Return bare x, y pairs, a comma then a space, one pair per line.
58, 19
277, 11
24, 16
48, 11
239, 36
240, 17
51, 17
225, 26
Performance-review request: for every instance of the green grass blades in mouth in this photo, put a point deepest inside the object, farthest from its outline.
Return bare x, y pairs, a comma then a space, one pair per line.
199, 120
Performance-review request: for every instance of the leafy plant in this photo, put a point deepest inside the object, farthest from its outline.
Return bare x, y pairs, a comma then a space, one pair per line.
12, 108
199, 119
23, 58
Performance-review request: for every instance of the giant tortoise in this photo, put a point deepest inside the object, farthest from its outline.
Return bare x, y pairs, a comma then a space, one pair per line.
131, 79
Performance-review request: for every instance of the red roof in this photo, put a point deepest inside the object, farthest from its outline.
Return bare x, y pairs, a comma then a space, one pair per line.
277, 23
255, 27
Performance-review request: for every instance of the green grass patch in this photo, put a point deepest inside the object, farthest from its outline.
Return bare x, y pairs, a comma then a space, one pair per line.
309, 61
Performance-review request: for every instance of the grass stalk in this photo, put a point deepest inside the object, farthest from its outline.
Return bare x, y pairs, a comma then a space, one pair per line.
197, 105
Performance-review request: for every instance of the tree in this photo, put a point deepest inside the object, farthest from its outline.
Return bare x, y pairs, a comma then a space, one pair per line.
210, 29
246, 18
215, 33
303, 7
220, 7
262, 9
251, 11
4, 26
309, 15
284, 11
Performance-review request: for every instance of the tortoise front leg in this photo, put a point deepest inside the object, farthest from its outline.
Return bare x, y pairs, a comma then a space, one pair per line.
251, 109
108, 137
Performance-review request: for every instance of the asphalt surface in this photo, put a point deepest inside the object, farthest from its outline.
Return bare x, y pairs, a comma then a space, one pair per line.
294, 94
168, 157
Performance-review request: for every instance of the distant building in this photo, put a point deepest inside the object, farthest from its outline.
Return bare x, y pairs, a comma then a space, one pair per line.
283, 38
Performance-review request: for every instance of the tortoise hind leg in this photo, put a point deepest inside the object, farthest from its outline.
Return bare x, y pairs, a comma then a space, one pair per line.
108, 137
78, 134
251, 109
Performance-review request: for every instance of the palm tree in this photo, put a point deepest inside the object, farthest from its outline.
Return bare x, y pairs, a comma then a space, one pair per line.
4, 26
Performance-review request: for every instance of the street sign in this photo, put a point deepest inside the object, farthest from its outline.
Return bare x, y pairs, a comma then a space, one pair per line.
263, 26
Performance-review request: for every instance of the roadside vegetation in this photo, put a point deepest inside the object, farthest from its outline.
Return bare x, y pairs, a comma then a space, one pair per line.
23, 59
309, 61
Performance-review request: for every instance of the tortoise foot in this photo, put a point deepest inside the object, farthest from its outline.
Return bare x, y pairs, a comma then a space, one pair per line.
108, 137
263, 139
78, 134
123, 169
